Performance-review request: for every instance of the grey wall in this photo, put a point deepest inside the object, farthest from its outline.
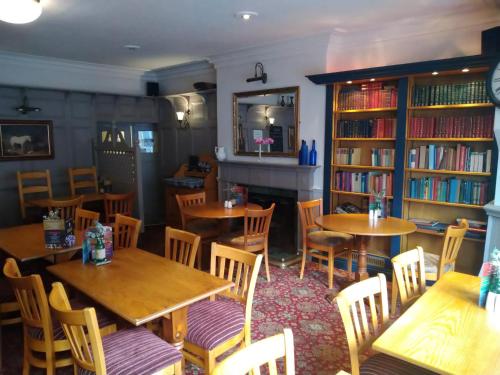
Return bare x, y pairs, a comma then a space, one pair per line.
74, 116
201, 138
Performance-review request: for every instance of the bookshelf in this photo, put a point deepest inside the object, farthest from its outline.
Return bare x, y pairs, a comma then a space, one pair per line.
449, 158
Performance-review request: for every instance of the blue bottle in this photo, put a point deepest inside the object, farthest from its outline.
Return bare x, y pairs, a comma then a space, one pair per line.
313, 155
303, 154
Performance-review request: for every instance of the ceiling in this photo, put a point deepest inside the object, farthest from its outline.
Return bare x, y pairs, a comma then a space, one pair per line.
175, 32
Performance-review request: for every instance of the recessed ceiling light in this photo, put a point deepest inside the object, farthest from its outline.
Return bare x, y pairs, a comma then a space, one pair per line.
349, 82
372, 79
245, 15
465, 70
435, 73
339, 30
20, 11
132, 47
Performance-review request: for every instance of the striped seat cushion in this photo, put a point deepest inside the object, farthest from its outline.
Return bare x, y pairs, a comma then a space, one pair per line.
431, 262
211, 323
104, 319
238, 239
328, 238
136, 351
381, 364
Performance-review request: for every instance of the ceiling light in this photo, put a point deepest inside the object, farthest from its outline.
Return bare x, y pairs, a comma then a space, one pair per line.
349, 82
465, 70
435, 73
246, 15
130, 47
372, 79
20, 11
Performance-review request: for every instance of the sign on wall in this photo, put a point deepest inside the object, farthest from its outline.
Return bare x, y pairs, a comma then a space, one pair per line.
26, 140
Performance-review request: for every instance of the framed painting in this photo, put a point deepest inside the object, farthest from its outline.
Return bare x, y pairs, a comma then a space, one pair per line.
26, 140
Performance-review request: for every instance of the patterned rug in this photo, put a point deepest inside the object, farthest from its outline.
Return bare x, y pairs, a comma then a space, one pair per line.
285, 302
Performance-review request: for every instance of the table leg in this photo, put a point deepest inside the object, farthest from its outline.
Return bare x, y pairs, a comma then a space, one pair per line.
361, 273
175, 328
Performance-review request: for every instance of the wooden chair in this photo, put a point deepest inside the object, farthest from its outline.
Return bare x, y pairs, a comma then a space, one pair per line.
23, 189
125, 231
409, 269
362, 327
437, 265
230, 321
9, 308
44, 341
316, 242
82, 178
118, 204
91, 354
181, 246
85, 219
207, 229
67, 208
259, 353
255, 236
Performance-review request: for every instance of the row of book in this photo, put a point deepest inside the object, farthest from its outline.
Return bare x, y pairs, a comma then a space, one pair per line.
476, 126
364, 182
366, 96
367, 128
452, 190
451, 93
458, 158
440, 227
380, 157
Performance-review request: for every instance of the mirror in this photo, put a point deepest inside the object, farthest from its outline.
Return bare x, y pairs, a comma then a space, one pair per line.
263, 114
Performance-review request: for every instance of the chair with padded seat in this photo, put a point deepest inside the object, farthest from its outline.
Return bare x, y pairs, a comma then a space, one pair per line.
122, 204
125, 231
44, 343
32, 187
82, 178
255, 235
259, 353
217, 325
129, 351
362, 327
409, 270
181, 246
316, 242
437, 265
207, 229
67, 207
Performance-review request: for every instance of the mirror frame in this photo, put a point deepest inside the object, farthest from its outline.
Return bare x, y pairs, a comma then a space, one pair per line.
291, 89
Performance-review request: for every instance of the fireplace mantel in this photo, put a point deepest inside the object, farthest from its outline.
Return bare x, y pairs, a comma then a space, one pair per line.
281, 176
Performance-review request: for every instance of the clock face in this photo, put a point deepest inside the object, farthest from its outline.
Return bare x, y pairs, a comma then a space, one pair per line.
493, 83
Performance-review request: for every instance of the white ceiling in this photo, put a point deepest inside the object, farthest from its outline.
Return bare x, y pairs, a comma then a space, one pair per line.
173, 32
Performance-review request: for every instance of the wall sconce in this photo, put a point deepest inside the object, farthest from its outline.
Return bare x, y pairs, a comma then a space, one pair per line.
262, 77
183, 118
181, 104
271, 121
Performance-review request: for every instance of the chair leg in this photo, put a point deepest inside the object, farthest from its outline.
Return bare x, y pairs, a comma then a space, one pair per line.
209, 362
394, 294
266, 261
178, 368
304, 255
349, 262
330, 269
26, 363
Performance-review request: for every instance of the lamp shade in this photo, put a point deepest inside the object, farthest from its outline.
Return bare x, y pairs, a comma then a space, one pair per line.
180, 116
271, 120
20, 11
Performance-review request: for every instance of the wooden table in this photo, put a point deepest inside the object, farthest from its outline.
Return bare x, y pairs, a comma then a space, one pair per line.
216, 210
446, 331
140, 286
27, 242
46, 202
362, 228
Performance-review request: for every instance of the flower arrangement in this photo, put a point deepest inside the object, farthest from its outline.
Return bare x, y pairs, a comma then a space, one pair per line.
264, 141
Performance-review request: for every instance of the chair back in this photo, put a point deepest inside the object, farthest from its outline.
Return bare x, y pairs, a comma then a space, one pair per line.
360, 330
256, 225
85, 219
240, 267
453, 238
250, 358
31, 297
308, 212
67, 208
409, 269
32, 188
125, 231
122, 204
181, 246
186, 200
82, 178
81, 330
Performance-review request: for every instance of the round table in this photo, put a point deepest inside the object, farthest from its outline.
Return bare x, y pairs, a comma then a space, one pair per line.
216, 210
362, 228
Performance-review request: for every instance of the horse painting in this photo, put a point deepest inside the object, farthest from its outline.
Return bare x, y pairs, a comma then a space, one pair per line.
19, 141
